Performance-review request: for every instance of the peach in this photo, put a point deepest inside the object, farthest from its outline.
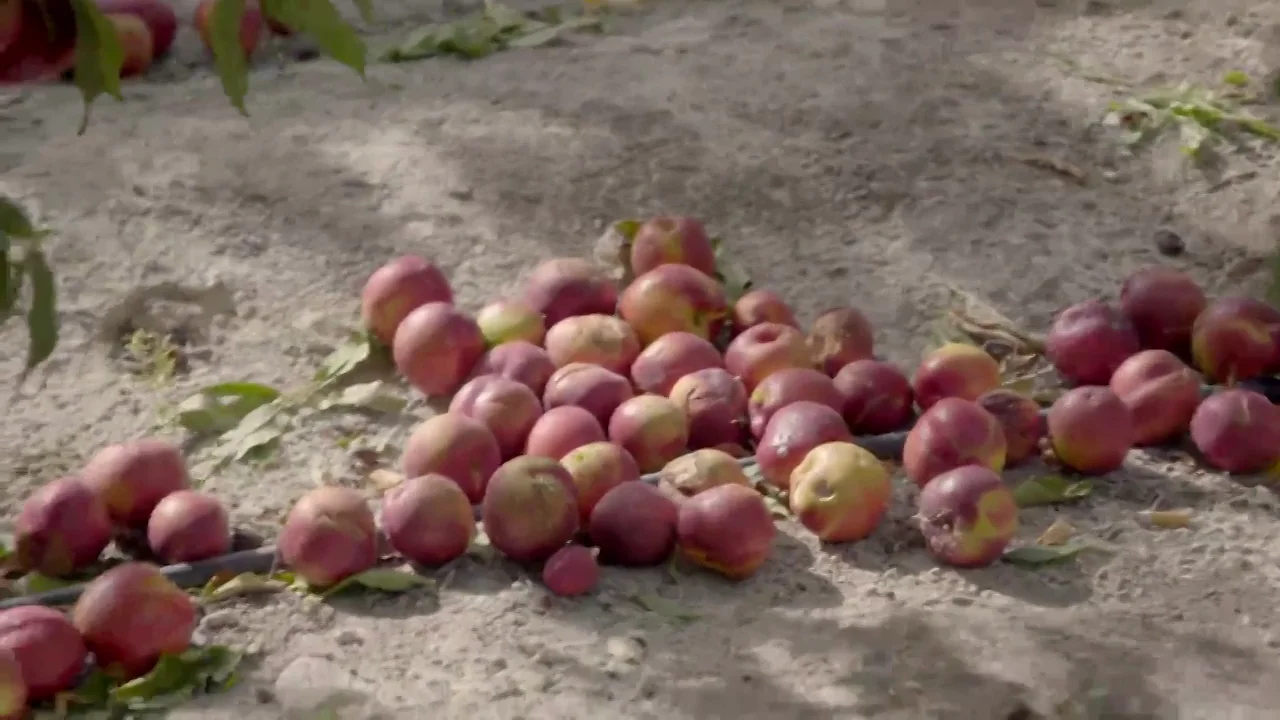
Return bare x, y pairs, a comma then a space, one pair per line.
791, 433
715, 405
670, 358
952, 433
1237, 431
506, 407
63, 527
328, 536
428, 520
133, 477
733, 450
762, 306
566, 287
590, 387
1235, 339
838, 337
602, 340
634, 525
47, 647
875, 397
597, 468
652, 429
672, 240
37, 51
1088, 341
840, 492
1091, 430
967, 516
436, 347
530, 509
130, 616
250, 25
518, 360
161, 20
562, 430
727, 529
135, 40
702, 470
455, 446
398, 288
571, 571
188, 526
507, 321
763, 350
1021, 421
1162, 304
1161, 392
954, 370
674, 298
13, 689
784, 387
10, 26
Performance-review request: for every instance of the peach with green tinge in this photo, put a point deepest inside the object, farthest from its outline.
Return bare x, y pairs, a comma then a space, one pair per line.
130, 616
727, 529
507, 321
1236, 338
455, 446
955, 370
652, 429
672, 240
603, 340
967, 516
763, 350
840, 492
328, 536
596, 469
952, 433
674, 298
1091, 430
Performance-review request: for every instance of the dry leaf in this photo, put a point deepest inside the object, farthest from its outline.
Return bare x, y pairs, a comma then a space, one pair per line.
1057, 533
1052, 164
1166, 519
383, 479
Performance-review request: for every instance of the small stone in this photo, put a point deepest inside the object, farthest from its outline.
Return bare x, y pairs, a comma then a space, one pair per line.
219, 620
312, 683
1169, 243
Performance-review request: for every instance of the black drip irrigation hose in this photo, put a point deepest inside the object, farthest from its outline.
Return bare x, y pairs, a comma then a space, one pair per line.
263, 559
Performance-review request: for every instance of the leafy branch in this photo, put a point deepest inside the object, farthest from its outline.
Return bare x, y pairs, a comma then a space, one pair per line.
27, 284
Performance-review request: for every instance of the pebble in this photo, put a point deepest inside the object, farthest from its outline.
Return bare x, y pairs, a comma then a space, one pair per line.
313, 684
1169, 243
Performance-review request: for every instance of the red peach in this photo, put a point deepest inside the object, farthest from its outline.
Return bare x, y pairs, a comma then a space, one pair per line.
250, 25
565, 287
1236, 338
135, 40
507, 321
967, 516
1088, 341
634, 525
784, 387
13, 689
591, 387
506, 407
328, 536
702, 470
1161, 392
562, 430
571, 571
161, 20
1162, 304
1237, 431
1091, 430
530, 509
133, 477
188, 526
840, 492
791, 433
652, 429
47, 646
1021, 421
952, 433
715, 404
455, 446
518, 360
674, 298
838, 337
10, 26
62, 527
670, 240
397, 289
954, 370
762, 306
727, 529
428, 520
37, 51
130, 616
602, 340
436, 347
875, 397
670, 358
733, 450
597, 468
763, 350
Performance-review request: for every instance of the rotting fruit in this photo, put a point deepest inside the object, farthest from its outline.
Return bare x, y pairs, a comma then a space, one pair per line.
329, 536
702, 470
840, 492
955, 370
952, 433
727, 529
967, 516
838, 337
1020, 419
715, 405
791, 433
1237, 431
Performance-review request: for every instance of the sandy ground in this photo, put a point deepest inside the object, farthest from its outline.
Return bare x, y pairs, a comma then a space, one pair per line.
857, 151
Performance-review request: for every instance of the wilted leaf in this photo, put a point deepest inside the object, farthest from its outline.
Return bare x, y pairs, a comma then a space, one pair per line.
228, 52
1056, 534
99, 56
320, 20
177, 678
346, 359
14, 222
244, 584
257, 431
366, 396
389, 580
42, 315
1167, 519
1050, 490
665, 608
1236, 78
550, 33
35, 583
628, 228
1037, 555
383, 480
219, 408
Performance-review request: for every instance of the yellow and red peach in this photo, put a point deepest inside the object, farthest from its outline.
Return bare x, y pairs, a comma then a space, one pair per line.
1162, 304
1236, 338
455, 446
507, 321
63, 527
47, 646
762, 306
188, 526
328, 536
666, 240
133, 477
967, 516
1088, 341
634, 525
838, 337
791, 433
1237, 431
132, 615
591, 387
250, 25
428, 520
506, 407
955, 370
518, 360
603, 340
727, 529
1161, 392
952, 433
702, 470
436, 347
1021, 421
670, 358
562, 430
530, 509
566, 287
762, 350
597, 468
652, 428
674, 298
715, 404
571, 571
161, 20
840, 492
398, 288
875, 397
784, 387
135, 40
1091, 430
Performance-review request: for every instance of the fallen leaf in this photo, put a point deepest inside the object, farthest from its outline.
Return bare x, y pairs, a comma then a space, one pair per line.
1050, 490
390, 580
346, 359
219, 408
177, 678
1056, 534
34, 583
665, 608
383, 479
1056, 165
244, 584
375, 396
1037, 555
1166, 519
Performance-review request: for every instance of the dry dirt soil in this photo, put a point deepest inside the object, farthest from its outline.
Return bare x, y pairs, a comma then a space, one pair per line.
880, 153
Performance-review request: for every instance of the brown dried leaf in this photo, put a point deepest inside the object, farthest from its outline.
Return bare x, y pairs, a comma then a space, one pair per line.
1056, 534
1166, 519
383, 479
1052, 164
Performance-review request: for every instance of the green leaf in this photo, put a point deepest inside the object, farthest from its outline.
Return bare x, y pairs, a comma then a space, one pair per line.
42, 315
219, 408
346, 359
14, 222
99, 56
390, 580
365, 8
228, 53
548, 34
177, 678
256, 431
665, 608
6, 549
628, 228
1236, 78
244, 584
1050, 490
735, 279
1038, 555
34, 583
320, 20
366, 396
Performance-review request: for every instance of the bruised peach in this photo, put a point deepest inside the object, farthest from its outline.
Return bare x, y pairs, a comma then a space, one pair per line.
952, 433
727, 529
1091, 430
1088, 341
47, 646
663, 240
762, 306
597, 468
13, 689
715, 404
1161, 392
602, 340
954, 370
562, 430
135, 41
133, 477
159, 16
530, 509
328, 536
428, 520
967, 516
590, 387
507, 321
784, 387
652, 429
398, 288
763, 350
791, 433
250, 25
436, 347
702, 470
571, 571
1237, 431
670, 358
1235, 339
455, 446
875, 397
130, 616
506, 407
674, 298
1162, 304
1021, 421
62, 527
188, 526
518, 360
840, 492
566, 287
634, 525
838, 337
